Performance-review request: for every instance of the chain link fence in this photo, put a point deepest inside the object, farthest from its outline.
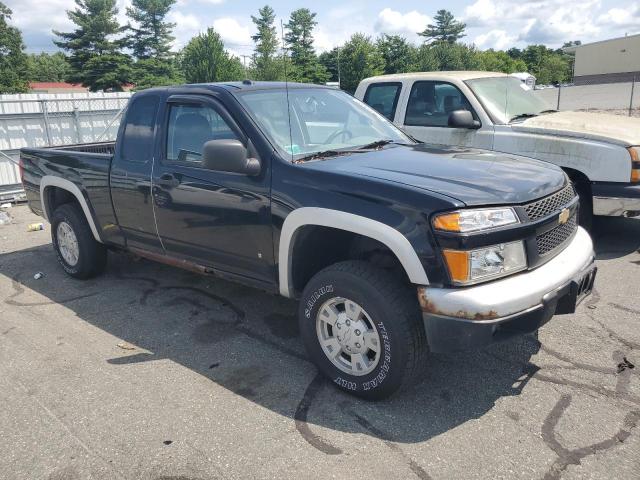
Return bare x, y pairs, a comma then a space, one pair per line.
53, 121
620, 98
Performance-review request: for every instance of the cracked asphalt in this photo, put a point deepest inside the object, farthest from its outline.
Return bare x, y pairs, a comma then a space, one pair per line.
154, 373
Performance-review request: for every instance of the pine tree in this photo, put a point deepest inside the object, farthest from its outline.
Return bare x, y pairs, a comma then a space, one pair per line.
94, 38
150, 35
13, 60
299, 40
446, 29
150, 39
266, 64
205, 59
359, 59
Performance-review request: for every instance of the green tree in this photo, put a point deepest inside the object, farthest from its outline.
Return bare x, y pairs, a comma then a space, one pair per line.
265, 62
446, 28
205, 59
547, 65
45, 67
499, 61
359, 59
150, 39
299, 41
93, 38
150, 35
398, 54
13, 60
329, 60
151, 72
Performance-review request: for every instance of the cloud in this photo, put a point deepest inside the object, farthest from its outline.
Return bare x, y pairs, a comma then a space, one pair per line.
235, 35
187, 26
408, 24
622, 17
496, 39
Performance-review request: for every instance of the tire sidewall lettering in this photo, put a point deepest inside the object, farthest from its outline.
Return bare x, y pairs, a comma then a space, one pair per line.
315, 296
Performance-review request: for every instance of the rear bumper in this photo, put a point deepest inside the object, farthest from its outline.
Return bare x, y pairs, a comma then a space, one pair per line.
464, 318
616, 199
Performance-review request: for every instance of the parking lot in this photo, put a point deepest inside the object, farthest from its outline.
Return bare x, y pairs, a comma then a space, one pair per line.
150, 372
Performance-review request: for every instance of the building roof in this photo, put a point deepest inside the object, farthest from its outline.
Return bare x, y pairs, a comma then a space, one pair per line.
573, 48
61, 85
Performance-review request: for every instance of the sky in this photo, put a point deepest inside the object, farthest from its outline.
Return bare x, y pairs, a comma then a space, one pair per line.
498, 24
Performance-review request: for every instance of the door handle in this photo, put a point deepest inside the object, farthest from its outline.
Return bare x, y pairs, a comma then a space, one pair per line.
168, 180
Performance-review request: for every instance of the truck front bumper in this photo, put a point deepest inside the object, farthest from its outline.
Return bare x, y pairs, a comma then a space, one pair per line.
616, 199
463, 318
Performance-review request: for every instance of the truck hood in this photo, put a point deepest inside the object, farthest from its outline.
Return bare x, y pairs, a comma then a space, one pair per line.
473, 177
616, 129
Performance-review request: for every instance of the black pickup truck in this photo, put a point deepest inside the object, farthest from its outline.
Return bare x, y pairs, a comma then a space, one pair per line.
393, 248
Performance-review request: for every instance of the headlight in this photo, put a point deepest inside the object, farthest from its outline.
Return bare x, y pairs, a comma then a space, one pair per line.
474, 220
473, 266
635, 164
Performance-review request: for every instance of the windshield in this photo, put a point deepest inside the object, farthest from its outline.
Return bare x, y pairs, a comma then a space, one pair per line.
507, 98
322, 120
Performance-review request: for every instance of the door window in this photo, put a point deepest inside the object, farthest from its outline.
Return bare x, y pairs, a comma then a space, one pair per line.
430, 104
189, 128
137, 138
383, 97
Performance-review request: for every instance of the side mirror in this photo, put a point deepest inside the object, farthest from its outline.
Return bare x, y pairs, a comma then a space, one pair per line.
229, 156
463, 119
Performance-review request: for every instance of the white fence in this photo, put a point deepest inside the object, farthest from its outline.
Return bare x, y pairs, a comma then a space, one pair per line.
41, 120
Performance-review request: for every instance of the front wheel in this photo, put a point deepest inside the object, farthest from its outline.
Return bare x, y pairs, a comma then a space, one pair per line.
362, 328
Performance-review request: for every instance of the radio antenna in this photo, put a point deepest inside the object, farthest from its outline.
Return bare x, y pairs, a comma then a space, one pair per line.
286, 87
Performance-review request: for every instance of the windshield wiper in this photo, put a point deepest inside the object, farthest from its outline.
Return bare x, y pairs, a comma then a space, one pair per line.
551, 110
375, 145
325, 154
522, 115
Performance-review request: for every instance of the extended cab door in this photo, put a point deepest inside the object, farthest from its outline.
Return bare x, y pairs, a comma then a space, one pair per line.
130, 178
426, 110
217, 219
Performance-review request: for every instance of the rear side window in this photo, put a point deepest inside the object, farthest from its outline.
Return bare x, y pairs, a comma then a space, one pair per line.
137, 138
190, 127
430, 104
383, 97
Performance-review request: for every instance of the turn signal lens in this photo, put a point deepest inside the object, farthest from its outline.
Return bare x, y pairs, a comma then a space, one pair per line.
474, 220
458, 264
635, 164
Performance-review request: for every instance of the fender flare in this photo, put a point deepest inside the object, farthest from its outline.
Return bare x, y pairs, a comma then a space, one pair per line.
64, 184
389, 236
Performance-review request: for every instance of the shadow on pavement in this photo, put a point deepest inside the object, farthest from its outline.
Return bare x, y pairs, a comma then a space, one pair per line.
615, 237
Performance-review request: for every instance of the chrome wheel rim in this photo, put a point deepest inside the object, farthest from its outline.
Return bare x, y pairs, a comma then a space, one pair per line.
67, 243
348, 336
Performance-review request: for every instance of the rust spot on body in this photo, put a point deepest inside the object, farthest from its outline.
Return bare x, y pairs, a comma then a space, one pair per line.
428, 306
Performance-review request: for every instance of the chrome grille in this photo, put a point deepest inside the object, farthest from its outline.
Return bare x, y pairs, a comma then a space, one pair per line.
546, 206
555, 237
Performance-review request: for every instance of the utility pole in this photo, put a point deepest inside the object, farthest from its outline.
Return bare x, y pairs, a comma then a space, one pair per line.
244, 61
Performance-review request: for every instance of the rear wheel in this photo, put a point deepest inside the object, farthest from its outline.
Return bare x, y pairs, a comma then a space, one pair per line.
362, 328
80, 255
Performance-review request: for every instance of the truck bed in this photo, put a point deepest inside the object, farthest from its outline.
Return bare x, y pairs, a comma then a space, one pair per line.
85, 165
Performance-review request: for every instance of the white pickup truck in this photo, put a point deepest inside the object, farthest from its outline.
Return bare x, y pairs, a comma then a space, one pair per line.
494, 111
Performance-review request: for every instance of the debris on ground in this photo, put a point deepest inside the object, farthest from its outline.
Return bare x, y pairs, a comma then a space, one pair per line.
34, 227
5, 218
38, 276
624, 364
126, 346
6, 205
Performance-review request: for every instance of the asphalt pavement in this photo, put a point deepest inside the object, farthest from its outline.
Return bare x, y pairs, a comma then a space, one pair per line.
153, 373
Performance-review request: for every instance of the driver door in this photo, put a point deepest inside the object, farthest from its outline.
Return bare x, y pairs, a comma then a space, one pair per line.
217, 219
427, 113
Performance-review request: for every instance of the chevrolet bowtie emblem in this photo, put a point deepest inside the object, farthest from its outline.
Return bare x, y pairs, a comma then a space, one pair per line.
564, 216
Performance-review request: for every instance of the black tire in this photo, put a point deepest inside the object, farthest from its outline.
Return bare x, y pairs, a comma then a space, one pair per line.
391, 305
92, 257
585, 215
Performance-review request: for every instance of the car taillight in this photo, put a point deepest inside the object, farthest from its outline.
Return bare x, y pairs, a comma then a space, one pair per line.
635, 164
